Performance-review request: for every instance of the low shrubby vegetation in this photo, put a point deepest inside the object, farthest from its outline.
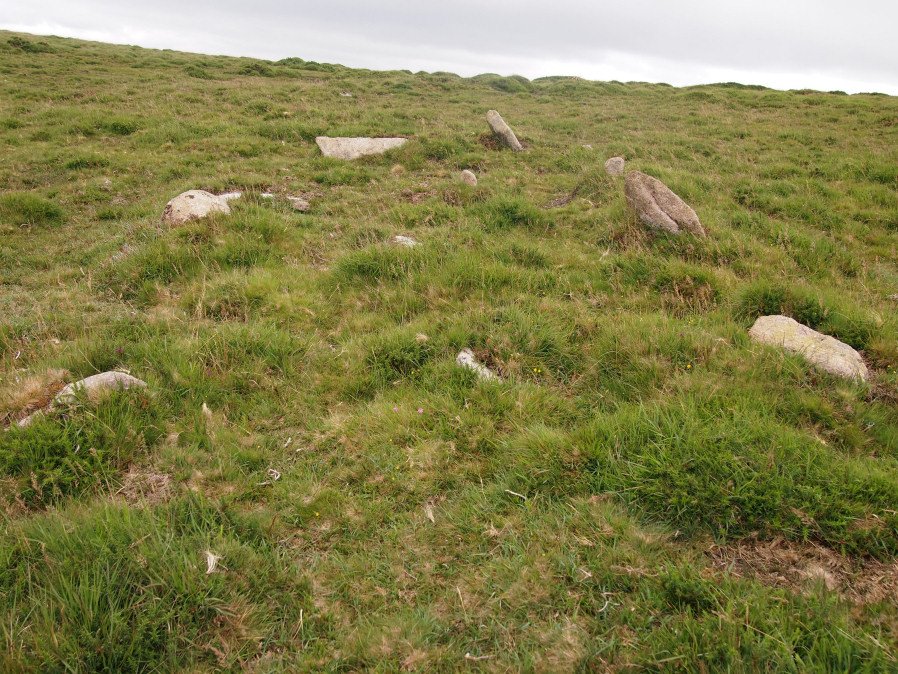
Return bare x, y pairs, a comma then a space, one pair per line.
310, 481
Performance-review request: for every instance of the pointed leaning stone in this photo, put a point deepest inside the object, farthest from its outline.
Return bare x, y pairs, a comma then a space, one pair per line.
503, 131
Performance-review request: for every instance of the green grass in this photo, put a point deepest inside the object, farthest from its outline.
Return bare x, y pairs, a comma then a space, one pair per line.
373, 505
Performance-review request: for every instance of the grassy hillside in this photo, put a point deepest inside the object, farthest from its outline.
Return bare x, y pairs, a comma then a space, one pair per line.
646, 489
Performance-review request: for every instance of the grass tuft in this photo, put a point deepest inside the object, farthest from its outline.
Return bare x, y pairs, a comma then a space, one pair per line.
20, 208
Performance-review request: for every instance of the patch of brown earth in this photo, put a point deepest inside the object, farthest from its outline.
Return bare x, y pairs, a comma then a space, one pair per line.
489, 141
796, 566
30, 394
565, 199
416, 197
143, 487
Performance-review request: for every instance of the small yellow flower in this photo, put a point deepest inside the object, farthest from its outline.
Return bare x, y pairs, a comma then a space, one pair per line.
317, 514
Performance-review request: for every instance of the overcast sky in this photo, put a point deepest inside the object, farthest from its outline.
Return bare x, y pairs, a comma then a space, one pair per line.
849, 45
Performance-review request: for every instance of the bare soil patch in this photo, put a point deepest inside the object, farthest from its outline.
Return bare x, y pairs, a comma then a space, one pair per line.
797, 566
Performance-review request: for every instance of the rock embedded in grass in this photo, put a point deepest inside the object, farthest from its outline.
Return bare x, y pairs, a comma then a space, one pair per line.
503, 131
94, 387
299, 204
194, 205
468, 360
98, 385
353, 148
658, 207
468, 178
825, 352
615, 166
406, 241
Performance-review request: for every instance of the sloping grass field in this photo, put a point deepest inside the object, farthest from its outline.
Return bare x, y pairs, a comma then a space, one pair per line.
310, 482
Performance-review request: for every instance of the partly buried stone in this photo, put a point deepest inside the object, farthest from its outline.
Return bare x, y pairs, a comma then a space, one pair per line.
468, 178
503, 131
822, 351
299, 204
193, 205
468, 360
615, 166
406, 241
97, 385
94, 387
658, 207
353, 148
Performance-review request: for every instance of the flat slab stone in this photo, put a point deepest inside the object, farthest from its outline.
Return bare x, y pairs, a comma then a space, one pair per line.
822, 351
193, 205
658, 207
503, 131
353, 148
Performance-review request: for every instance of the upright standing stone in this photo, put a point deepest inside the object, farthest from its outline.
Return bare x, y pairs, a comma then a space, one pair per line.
503, 131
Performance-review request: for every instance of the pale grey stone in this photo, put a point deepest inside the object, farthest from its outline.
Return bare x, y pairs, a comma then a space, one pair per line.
822, 351
353, 148
299, 204
468, 360
469, 178
658, 207
615, 166
94, 387
406, 241
193, 205
503, 131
